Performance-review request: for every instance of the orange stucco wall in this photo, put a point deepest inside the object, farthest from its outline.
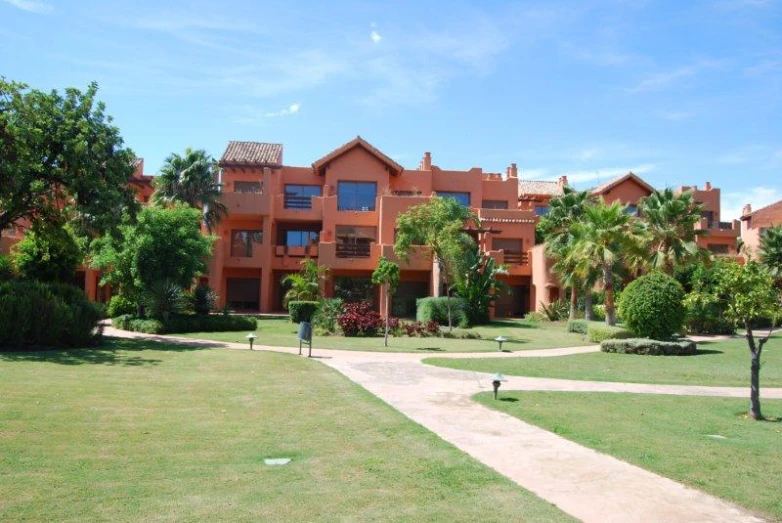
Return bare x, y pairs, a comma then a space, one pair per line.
754, 223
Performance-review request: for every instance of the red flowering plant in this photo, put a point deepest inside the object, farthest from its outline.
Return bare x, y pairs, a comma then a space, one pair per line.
359, 319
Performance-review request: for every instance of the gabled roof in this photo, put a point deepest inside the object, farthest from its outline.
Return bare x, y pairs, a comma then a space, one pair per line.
320, 165
252, 154
535, 187
769, 212
620, 179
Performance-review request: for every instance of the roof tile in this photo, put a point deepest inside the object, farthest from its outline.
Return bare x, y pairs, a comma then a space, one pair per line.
540, 187
252, 153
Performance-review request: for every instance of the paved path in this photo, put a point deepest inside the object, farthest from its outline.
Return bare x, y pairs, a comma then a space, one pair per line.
584, 483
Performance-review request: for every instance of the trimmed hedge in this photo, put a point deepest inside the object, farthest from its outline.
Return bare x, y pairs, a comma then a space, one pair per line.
649, 347
119, 305
652, 306
435, 308
598, 333
42, 315
189, 323
302, 310
578, 326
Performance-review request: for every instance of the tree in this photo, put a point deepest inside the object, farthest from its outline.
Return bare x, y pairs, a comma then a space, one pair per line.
191, 179
49, 253
771, 251
557, 230
164, 245
670, 221
305, 284
751, 296
60, 157
477, 284
607, 238
386, 274
438, 224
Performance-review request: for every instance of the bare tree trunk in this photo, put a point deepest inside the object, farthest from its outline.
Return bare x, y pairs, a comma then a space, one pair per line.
388, 315
588, 304
608, 281
754, 391
573, 301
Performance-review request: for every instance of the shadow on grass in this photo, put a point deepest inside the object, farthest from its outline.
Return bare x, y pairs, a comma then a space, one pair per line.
510, 400
704, 352
430, 349
112, 351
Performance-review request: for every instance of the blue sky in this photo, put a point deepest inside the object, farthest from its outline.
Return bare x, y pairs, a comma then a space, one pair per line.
679, 91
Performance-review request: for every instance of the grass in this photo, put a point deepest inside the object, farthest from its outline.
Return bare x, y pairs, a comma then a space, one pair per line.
717, 363
521, 334
669, 435
138, 430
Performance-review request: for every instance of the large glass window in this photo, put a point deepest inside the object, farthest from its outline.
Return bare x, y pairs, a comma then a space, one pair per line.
461, 197
356, 196
541, 210
300, 196
354, 242
494, 204
251, 187
300, 238
242, 242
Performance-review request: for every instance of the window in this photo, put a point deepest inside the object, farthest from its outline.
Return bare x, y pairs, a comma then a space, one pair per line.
300, 196
247, 187
709, 215
242, 242
541, 210
354, 242
632, 210
300, 238
461, 197
494, 204
718, 248
356, 196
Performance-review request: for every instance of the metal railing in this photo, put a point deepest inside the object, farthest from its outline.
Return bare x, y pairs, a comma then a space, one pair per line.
298, 202
353, 250
516, 258
725, 225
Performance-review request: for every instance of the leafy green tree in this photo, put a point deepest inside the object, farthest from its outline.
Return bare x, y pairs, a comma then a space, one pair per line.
440, 225
608, 238
477, 283
771, 251
61, 157
163, 245
386, 274
670, 221
48, 253
305, 284
751, 296
192, 179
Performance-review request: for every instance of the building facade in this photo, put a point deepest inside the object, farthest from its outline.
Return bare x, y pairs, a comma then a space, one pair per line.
755, 223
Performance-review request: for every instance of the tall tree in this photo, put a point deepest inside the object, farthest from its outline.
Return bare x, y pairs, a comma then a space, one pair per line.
477, 283
670, 221
60, 158
607, 238
192, 179
440, 225
386, 274
771, 251
557, 230
751, 295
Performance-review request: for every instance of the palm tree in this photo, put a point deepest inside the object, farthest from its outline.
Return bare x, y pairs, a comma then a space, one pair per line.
607, 238
192, 179
477, 283
670, 220
771, 251
305, 284
557, 230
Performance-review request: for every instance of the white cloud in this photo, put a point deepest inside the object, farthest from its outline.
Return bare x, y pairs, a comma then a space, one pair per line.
375, 37
733, 202
587, 154
33, 6
665, 79
604, 174
291, 109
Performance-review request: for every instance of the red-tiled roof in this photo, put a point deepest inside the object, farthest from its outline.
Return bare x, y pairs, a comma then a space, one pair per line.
767, 214
320, 165
616, 181
252, 153
536, 187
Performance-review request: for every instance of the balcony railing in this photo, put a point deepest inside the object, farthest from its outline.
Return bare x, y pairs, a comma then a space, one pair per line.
516, 258
353, 250
725, 225
298, 202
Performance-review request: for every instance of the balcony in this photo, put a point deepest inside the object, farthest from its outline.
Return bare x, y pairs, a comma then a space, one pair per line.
244, 262
515, 258
310, 251
354, 250
719, 229
298, 208
348, 256
419, 259
246, 204
516, 262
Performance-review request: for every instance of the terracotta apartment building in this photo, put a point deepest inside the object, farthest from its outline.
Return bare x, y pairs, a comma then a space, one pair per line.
755, 223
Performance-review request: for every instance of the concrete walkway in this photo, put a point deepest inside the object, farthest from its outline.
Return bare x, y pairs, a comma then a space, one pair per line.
584, 483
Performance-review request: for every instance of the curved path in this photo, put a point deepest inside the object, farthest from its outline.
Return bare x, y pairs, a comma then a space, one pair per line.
580, 481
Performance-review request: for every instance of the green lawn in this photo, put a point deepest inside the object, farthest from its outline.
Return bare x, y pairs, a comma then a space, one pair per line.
718, 363
139, 431
670, 435
522, 335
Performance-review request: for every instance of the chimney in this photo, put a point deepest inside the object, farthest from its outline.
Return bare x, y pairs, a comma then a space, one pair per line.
562, 181
707, 187
513, 171
747, 210
426, 163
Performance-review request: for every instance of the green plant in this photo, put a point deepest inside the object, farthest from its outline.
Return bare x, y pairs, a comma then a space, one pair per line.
202, 299
598, 333
477, 283
47, 253
652, 306
120, 305
186, 323
556, 310
326, 316
649, 347
386, 274
359, 319
305, 284
771, 251
163, 299
535, 316
7, 270
302, 310
436, 308
578, 326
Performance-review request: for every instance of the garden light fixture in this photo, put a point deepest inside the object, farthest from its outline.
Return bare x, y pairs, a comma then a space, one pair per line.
495, 382
251, 337
500, 339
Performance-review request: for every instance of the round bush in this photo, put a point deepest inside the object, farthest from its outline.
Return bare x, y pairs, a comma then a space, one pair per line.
119, 305
652, 306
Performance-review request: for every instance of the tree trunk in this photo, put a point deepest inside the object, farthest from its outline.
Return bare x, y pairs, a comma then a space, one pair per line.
573, 301
754, 391
588, 304
608, 281
388, 315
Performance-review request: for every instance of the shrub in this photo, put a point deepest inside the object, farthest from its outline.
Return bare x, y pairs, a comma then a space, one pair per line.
164, 299
202, 299
556, 311
48, 253
395, 326
325, 319
359, 319
186, 323
597, 333
7, 271
535, 316
435, 308
579, 326
652, 306
302, 310
37, 314
650, 347
599, 312
119, 305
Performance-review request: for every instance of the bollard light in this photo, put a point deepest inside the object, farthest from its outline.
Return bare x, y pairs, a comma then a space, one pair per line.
251, 337
500, 339
495, 382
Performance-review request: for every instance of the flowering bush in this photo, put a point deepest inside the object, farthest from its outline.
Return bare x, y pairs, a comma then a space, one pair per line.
418, 328
359, 319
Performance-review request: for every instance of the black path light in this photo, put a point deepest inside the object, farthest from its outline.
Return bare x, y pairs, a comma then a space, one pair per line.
495, 382
251, 337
